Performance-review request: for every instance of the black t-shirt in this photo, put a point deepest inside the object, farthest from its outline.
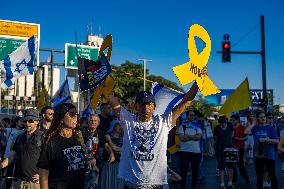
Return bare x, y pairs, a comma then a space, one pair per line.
105, 123
102, 154
223, 137
27, 154
98, 133
64, 158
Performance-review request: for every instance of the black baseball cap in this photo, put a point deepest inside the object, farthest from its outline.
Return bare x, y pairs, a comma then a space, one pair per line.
144, 97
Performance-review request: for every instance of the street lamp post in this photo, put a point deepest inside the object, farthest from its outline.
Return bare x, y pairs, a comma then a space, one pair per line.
144, 63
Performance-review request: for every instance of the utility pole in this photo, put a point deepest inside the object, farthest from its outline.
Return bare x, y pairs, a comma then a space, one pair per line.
263, 60
144, 63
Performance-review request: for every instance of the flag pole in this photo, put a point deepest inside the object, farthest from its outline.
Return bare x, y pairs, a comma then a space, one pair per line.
77, 73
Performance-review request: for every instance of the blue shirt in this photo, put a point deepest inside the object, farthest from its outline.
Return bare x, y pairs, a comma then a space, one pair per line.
263, 149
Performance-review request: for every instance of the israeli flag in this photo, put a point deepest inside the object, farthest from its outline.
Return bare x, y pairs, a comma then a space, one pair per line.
87, 111
62, 95
165, 98
19, 63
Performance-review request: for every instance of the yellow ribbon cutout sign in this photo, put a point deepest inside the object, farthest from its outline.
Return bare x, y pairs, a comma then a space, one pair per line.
193, 70
109, 81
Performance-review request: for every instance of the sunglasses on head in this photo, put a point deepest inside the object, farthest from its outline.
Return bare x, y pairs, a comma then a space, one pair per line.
30, 121
73, 113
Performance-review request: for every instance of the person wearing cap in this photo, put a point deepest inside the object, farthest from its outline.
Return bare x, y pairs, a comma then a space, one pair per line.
25, 152
143, 162
223, 135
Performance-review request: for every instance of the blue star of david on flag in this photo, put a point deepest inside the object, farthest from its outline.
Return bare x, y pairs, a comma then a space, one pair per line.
19, 63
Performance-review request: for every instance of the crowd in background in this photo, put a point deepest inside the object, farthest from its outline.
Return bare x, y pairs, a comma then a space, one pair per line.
31, 148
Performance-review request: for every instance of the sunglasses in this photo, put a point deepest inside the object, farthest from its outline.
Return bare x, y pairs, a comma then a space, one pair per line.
73, 114
30, 121
50, 113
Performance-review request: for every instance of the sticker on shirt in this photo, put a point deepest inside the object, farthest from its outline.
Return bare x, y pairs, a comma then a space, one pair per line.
75, 158
142, 143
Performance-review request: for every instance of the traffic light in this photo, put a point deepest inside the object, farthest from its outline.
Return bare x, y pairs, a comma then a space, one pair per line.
226, 51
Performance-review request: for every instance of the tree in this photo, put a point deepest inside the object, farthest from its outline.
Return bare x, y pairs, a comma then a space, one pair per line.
128, 83
202, 106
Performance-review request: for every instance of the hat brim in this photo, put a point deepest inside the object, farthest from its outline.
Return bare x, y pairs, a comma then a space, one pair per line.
146, 100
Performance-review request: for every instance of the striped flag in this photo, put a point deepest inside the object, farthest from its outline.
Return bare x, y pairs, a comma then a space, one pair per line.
62, 95
165, 98
19, 63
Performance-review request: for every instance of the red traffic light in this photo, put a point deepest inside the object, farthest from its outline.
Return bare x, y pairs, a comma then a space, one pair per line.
226, 45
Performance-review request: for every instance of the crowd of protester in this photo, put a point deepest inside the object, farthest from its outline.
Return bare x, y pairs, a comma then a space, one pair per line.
56, 149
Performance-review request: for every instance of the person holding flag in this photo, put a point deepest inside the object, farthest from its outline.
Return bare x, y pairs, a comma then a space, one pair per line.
143, 162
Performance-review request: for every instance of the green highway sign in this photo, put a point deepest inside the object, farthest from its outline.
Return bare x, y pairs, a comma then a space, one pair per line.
84, 51
8, 45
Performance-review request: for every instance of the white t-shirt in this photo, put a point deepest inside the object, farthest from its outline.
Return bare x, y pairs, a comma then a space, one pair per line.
143, 161
191, 145
11, 134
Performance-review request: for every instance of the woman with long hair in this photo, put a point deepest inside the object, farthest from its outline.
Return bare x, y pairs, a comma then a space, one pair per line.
62, 163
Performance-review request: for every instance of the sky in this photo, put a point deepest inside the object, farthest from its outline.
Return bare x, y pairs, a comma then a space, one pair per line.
158, 30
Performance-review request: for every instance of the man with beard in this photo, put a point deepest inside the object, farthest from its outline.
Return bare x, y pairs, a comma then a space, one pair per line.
143, 163
25, 152
47, 117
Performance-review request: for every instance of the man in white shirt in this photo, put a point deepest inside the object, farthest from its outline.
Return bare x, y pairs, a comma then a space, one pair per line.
190, 150
143, 162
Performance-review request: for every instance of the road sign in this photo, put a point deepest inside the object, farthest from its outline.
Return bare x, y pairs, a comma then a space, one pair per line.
84, 51
13, 34
8, 45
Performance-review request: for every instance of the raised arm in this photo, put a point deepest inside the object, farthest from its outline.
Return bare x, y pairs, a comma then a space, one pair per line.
185, 103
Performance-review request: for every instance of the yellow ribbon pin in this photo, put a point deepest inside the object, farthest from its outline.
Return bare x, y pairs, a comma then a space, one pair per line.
193, 70
109, 81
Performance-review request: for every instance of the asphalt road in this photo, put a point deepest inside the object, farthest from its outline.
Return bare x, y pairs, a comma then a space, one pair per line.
212, 181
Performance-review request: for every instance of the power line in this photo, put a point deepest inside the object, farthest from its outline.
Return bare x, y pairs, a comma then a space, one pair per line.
245, 35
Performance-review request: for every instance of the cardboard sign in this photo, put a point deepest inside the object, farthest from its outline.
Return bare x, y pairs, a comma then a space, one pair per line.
194, 69
92, 73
